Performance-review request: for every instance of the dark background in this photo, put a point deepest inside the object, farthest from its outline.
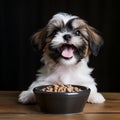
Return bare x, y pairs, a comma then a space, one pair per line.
20, 19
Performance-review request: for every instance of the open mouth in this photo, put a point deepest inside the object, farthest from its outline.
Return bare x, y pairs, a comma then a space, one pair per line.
67, 50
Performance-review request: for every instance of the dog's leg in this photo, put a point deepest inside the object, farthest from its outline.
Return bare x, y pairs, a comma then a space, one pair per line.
95, 97
28, 96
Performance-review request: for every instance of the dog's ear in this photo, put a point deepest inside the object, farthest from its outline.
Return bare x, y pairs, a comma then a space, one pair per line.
96, 41
39, 39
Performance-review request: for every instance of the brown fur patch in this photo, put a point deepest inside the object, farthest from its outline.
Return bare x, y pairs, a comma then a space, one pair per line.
90, 34
39, 38
54, 25
80, 23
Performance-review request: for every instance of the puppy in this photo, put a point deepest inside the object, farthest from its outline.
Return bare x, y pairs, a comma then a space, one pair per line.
65, 43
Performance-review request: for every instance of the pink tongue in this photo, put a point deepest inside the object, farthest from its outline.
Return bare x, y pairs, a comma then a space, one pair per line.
67, 52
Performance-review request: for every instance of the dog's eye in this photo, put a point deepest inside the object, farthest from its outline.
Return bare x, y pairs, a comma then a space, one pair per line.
52, 33
77, 32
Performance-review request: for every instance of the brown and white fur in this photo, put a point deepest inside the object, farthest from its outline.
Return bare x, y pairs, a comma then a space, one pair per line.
65, 43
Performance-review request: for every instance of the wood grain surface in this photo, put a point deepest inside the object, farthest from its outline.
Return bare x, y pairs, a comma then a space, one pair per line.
10, 109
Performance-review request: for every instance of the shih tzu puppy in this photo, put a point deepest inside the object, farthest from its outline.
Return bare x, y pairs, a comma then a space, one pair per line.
65, 43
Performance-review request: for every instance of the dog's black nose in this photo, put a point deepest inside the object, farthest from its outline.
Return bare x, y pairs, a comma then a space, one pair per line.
67, 37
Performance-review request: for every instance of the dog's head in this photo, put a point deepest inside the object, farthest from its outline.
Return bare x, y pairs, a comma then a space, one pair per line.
67, 39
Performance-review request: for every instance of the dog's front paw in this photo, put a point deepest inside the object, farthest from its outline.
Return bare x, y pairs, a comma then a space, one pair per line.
27, 97
96, 98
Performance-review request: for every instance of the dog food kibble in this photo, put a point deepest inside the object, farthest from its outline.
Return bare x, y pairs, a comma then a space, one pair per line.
61, 88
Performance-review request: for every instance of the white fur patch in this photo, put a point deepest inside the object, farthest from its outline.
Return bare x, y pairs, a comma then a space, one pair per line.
78, 74
64, 17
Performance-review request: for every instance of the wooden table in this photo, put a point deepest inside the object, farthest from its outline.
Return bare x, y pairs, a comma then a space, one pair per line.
10, 109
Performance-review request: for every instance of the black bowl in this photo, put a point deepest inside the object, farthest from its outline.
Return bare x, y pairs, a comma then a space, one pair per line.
61, 103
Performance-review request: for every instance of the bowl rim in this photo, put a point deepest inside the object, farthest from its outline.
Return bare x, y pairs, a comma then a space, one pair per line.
38, 90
